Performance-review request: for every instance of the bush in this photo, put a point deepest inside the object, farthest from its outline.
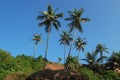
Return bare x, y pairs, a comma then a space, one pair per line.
88, 73
108, 75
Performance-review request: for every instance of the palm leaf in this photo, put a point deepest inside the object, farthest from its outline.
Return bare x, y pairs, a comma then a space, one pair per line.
58, 15
85, 19
80, 28
40, 17
50, 11
101, 58
55, 25
80, 12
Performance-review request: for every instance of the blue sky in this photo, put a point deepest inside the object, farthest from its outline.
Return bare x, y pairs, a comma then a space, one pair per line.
18, 24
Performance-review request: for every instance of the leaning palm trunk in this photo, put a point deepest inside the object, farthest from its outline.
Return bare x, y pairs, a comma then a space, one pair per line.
64, 54
45, 58
101, 54
68, 60
35, 51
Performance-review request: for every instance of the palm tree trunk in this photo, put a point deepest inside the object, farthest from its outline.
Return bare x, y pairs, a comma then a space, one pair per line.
101, 54
71, 47
72, 43
64, 54
34, 50
45, 58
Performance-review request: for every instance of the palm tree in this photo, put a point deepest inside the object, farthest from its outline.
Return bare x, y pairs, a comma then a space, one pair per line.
114, 60
100, 48
79, 45
92, 59
72, 63
37, 38
49, 18
75, 18
65, 39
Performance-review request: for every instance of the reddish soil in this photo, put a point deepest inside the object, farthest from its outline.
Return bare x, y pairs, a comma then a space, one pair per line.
54, 66
55, 72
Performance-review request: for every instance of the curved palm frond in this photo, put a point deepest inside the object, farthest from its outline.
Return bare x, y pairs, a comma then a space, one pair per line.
75, 18
65, 38
80, 44
114, 59
49, 18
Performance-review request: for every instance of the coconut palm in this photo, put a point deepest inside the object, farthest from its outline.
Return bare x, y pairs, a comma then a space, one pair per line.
92, 59
49, 18
114, 60
65, 39
75, 24
75, 18
100, 48
80, 45
72, 63
37, 38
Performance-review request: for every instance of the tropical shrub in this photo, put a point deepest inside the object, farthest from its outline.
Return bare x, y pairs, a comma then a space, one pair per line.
108, 75
89, 74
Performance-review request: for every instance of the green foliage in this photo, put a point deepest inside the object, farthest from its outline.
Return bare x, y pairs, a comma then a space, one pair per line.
21, 64
89, 74
114, 60
108, 75
72, 62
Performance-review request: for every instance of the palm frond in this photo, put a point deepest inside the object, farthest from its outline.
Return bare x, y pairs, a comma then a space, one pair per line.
55, 11
48, 27
43, 23
80, 28
101, 58
58, 15
40, 17
80, 12
55, 25
85, 19
50, 11
58, 23
69, 18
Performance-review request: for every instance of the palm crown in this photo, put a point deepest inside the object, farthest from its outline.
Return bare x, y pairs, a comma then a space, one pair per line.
80, 44
50, 18
37, 38
65, 38
101, 48
75, 18
114, 59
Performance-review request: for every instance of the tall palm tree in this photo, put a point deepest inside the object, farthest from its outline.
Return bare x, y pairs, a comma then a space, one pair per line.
37, 38
65, 39
114, 60
49, 18
100, 48
75, 18
80, 45
75, 24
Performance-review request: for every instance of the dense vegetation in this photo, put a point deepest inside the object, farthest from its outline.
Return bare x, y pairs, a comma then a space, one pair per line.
96, 68
21, 66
